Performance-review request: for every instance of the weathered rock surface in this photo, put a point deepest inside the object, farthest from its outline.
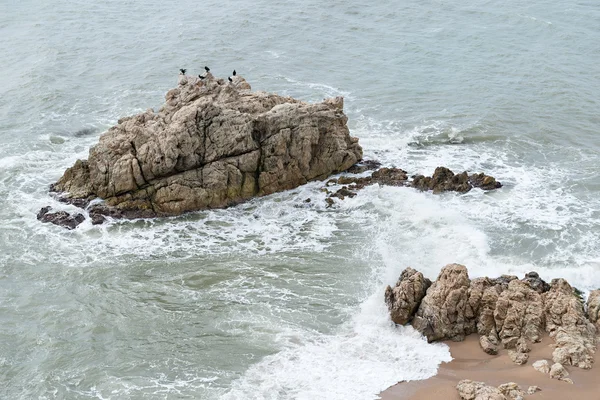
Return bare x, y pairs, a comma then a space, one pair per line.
444, 180
404, 299
512, 391
566, 322
506, 312
442, 313
519, 313
593, 308
557, 371
60, 218
212, 144
472, 390
533, 389
542, 366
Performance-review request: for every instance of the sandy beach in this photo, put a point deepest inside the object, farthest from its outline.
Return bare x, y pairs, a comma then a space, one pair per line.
470, 362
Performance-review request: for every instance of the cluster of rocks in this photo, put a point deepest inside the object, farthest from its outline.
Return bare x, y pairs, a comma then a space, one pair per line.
442, 180
472, 390
212, 144
506, 312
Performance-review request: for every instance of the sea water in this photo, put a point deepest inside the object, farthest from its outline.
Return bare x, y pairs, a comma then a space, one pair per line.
277, 298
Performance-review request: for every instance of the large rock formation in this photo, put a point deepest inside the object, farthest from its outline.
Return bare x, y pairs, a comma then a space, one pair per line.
212, 144
593, 308
506, 312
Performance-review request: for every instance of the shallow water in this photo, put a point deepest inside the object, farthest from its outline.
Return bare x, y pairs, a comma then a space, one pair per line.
277, 299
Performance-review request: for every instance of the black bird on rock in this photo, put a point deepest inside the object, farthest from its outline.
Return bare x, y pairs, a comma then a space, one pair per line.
207, 69
234, 72
201, 77
182, 70
230, 80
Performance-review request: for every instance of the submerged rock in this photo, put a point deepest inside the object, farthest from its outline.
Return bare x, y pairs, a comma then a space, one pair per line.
60, 218
212, 144
444, 180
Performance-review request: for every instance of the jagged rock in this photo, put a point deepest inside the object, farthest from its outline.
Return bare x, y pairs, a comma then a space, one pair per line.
536, 283
542, 365
443, 180
484, 181
212, 144
364, 165
522, 346
533, 389
512, 391
441, 314
519, 313
557, 371
518, 357
489, 344
60, 218
593, 308
472, 390
404, 299
574, 334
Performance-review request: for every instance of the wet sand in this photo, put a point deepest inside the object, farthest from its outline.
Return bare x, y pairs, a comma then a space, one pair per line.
470, 362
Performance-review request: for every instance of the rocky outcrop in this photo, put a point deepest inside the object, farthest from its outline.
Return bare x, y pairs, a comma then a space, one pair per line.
566, 322
443, 311
506, 312
212, 144
519, 313
444, 180
593, 309
404, 299
60, 218
472, 390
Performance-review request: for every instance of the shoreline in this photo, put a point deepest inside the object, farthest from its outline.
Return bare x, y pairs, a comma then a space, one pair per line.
471, 362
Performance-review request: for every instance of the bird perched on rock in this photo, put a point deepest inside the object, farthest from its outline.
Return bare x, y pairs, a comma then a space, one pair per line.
201, 77
234, 73
206, 69
182, 70
230, 80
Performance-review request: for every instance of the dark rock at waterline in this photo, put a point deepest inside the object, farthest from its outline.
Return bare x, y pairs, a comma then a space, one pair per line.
363, 165
484, 181
60, 218
536, 283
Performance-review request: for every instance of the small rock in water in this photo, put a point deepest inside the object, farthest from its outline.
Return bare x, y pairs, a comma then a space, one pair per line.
60, 218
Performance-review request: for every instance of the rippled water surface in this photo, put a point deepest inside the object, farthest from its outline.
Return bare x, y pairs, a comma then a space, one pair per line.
277, 298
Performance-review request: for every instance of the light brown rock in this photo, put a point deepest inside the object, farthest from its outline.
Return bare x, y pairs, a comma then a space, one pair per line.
542, 365
518, 357
472, 390
213, 144
442, 313
519, 314
489, 344
533, 389
557, 371
574, 334
404, 299
511, 391
593, 309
